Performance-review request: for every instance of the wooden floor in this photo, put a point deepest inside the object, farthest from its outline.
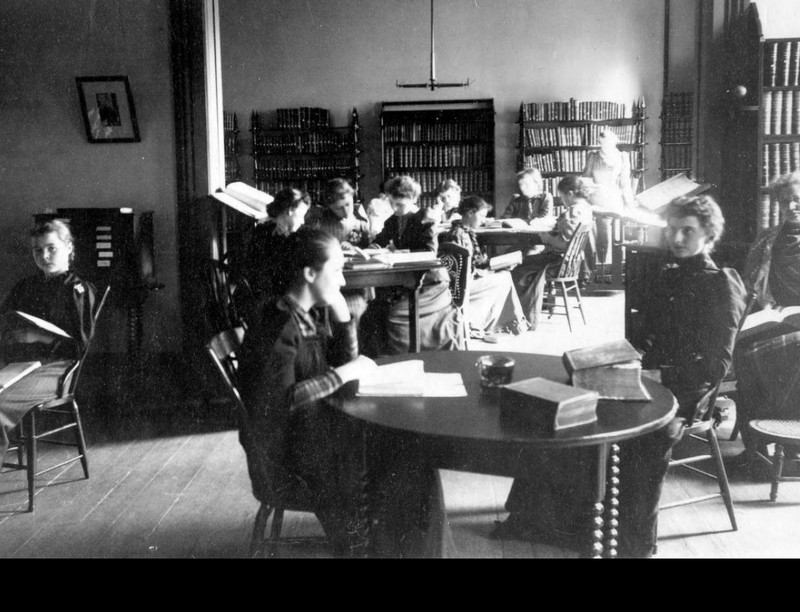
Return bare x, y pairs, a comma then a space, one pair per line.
173, 483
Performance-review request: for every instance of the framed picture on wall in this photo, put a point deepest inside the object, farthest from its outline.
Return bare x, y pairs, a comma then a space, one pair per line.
107, 108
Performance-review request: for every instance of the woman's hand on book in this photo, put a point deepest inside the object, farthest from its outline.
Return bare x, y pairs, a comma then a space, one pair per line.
359, 368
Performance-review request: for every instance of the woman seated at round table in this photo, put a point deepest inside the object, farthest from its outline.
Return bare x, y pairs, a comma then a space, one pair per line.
57, 295
299, 350
493, 300
384, 327
530, 276
766, 361
691, 321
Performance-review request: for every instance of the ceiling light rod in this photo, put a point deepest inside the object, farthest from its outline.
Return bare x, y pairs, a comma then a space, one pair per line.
432, 83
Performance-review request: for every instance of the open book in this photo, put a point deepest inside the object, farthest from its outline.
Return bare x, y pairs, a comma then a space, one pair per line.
401, 379
506, 260
658, 196
245, 199
15, 371
764, 319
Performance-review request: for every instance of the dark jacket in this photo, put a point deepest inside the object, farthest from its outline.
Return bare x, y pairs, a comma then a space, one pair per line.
418, 234
691, 321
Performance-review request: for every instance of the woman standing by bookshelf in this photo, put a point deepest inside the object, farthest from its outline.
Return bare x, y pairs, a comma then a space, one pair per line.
59, 296
384, 327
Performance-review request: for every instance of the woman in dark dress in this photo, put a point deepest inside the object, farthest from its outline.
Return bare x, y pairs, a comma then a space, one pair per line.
297, 353
384, 326
691, 321
57, 295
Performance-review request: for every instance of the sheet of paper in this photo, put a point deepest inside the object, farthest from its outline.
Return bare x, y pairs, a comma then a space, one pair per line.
401, 379
444, 385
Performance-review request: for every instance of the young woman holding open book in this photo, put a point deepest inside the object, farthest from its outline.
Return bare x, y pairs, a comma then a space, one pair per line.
692, 319
297, 353
493, 300
384, 326
58, 296
766, 358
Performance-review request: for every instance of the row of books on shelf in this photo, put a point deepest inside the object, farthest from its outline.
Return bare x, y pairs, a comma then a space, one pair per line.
676, 157
402, 156
778, 159
229, 122
580, 135
231, 169
230, 143
305, 117
314, 187
676, 129
781, 114
680, 103
670, 172
782, 64
573, 110
424, 132
475, 181
314, 143
570, 161
769, 212
287, 168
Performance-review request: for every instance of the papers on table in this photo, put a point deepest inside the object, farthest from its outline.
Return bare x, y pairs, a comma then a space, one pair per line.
409, 379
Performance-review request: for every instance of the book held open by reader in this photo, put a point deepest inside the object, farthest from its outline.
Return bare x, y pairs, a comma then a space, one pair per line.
245, 199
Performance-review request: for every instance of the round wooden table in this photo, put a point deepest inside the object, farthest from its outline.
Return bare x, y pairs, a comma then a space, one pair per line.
473, 434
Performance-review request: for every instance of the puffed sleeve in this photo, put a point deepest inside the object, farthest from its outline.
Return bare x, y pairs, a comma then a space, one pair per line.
510, 211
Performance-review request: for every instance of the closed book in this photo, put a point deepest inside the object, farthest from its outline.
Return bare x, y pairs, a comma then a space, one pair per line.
548, 405
612, 369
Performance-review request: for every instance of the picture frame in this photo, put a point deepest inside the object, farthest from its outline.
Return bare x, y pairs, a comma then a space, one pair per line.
107, 108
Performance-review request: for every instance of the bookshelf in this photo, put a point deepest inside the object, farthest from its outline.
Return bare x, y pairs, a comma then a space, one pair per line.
557, 137
302, 150
677, 133
231, 133
435, 141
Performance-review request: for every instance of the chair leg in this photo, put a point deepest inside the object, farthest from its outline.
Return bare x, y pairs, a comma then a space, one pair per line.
565, 296
29, 428
79, 440
260, 526
275, 536
580, 302
722, 476
777, 463
735, 430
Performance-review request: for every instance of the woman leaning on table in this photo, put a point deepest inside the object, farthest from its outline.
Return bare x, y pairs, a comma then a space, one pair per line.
58, 295
766, 362
691, 321
299, 350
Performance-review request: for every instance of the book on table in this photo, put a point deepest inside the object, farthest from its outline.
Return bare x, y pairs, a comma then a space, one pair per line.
401, 379
245, 199
761, 321
13, 372
613, 369
548, 405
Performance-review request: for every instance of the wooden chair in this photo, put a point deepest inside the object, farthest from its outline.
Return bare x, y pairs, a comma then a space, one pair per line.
781, 432
566, 277
457, 262
65, 405
223, 311
222, 350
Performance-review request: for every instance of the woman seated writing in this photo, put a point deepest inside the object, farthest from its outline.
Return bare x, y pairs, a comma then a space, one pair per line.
530, 277
299, 350
384, 327
766, 361
493, 300
59, 296
692, 320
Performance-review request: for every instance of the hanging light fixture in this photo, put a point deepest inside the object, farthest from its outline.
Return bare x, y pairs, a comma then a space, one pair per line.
432, 83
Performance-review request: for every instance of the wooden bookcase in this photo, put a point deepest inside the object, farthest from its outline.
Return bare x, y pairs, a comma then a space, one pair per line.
231, 131
677, 131
303, 151
556, 137
762, 129
435, 141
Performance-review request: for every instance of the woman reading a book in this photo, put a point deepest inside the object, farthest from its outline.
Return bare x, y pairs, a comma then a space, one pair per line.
532, 202
766, 360
299, 350
691, 321
448, 197
530, 277
58, 296
384, 326
493, 300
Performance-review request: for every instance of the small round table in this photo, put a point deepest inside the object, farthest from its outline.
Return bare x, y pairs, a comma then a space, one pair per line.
783, 432
471, 434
